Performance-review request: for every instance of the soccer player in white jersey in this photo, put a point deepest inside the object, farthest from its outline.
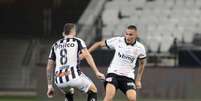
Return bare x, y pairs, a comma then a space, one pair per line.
120, 74
64, 60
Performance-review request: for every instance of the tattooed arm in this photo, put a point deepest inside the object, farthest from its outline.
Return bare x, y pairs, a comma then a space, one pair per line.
140, 73
50, 67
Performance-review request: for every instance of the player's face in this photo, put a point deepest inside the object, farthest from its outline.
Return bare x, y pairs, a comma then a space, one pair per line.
130, 35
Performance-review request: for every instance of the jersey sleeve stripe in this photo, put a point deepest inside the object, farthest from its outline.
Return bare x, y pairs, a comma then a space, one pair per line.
52, 54
51, 59
80, 45
142, 58
106, 44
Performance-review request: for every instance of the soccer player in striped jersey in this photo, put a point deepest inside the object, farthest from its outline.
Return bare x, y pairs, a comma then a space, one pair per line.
64, 60
120, 74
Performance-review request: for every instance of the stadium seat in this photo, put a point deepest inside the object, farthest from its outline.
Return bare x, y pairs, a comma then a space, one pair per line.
156, 18
110, 17
13, 73
107, 32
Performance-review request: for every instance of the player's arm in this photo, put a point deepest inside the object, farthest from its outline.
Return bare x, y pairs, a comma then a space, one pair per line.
94, 47
140, 72
92, 64
50, 67
97, 45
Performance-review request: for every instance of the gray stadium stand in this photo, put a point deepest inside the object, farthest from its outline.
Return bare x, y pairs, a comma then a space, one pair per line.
158, 20
16, 69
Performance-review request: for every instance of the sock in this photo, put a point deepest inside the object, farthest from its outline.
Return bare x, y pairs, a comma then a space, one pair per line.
69, 96
92, 96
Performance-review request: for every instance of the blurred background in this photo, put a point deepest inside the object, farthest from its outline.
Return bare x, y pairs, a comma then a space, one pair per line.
169, 29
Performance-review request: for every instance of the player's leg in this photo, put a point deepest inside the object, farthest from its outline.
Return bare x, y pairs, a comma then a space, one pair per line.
69, 95
131, 95
68, 92
127, 85
87, 86
92, 93
111, 85
110, 92
65, 88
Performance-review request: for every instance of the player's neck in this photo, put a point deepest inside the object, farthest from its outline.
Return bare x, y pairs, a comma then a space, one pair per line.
69, 36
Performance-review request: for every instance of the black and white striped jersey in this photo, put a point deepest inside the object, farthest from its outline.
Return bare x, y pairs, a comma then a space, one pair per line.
125, 57
65, 52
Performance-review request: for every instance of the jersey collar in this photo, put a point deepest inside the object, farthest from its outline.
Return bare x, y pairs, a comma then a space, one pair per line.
128, 43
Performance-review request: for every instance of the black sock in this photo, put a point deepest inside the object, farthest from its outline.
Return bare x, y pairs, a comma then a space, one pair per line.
92, 96
69, 96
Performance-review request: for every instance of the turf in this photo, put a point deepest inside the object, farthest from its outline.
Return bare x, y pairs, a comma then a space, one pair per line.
7, 98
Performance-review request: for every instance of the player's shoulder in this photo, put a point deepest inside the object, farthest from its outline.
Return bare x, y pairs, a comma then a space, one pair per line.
116, 38
119, 38
139, 45
57, 42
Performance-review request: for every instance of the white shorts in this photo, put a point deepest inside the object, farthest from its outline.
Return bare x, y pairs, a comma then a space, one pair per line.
82, 83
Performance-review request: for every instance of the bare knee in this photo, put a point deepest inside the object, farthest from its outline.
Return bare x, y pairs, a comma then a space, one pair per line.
93, 88
131, 95
110, 92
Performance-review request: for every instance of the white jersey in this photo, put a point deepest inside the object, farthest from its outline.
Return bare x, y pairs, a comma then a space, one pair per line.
125, 57
65, 52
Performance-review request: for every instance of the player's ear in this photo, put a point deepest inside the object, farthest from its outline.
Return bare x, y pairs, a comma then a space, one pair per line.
124, 33
137, 33
63, 34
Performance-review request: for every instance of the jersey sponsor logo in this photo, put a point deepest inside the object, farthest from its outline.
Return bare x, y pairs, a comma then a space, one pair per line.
64, 67
127, 57
64, 45
120, 46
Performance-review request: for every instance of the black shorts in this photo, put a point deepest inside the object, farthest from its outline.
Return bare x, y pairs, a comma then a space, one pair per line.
120, 82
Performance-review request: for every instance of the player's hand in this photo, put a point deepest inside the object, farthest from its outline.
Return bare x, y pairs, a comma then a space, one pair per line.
100, 75
50, 91
138, 84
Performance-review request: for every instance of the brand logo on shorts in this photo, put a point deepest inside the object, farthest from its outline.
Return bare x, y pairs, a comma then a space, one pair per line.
131, 84
93, 99
109, 79
82, 88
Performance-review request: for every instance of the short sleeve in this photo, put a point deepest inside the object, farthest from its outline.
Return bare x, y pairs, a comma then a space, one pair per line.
52, 55
111, 43
81, 44
142, 54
